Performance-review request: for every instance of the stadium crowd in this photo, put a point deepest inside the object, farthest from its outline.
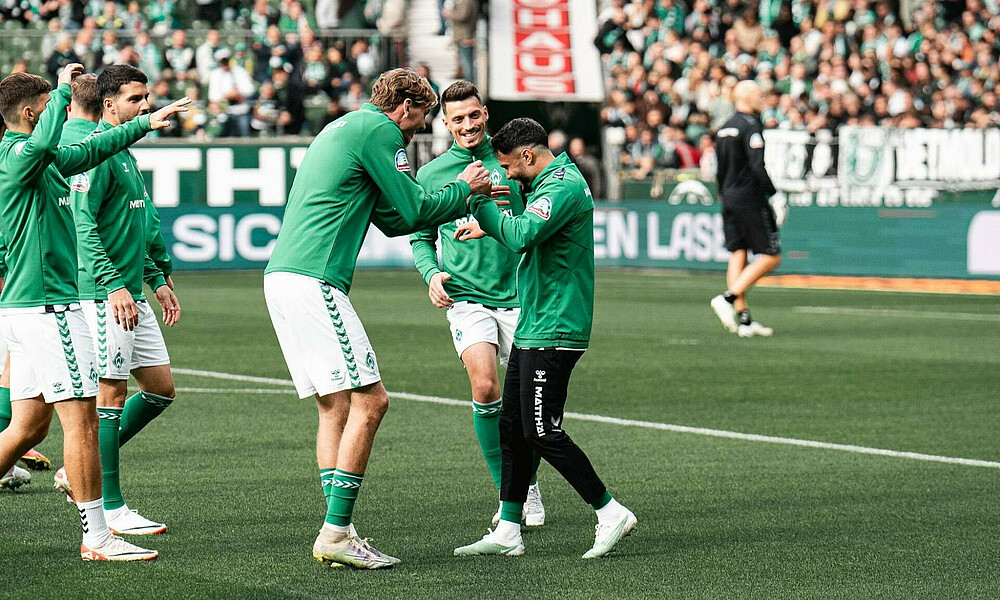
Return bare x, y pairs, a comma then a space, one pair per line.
251, 68
670, 68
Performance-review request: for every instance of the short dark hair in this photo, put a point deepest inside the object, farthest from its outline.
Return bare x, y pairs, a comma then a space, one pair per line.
518, 134
85, 94
16, 91
460, 90
111, 80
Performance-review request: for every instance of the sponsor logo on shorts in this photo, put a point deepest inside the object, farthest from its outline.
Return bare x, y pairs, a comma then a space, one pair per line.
337, 376
402, 161
540, 376
370, 361
541, 207
58, 387
539, 424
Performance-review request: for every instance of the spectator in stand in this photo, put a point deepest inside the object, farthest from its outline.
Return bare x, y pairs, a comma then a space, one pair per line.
134, 19
162, 15
326, 14
266, 111
295, 19
261, 18
109, 19
333, 112
425, 71
179, 57
62, 55
289, 92
204, 56
464, 16
315, 73
354, 97
108, 53
232, 87
557, 141
589, 166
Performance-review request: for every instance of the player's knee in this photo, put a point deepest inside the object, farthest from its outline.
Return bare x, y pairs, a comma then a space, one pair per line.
34, 433
485, 390
376, 407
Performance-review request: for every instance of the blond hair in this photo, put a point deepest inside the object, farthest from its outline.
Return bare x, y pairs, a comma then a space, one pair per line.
397, 85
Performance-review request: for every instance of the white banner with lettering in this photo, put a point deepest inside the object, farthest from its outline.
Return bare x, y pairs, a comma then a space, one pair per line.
544, 50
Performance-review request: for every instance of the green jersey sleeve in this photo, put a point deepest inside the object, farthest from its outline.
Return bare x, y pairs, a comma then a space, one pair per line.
87, 191
423, 244
31, 157
152, 274
92, 151
156, 247
3, 258
541, 219
384, 155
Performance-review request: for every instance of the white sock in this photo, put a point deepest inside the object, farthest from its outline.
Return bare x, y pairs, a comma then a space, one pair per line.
95, 528
610, 512
337, 531
352, 530
507, 531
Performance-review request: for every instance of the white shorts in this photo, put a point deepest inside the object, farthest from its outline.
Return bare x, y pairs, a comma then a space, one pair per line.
325, 345
118, 351
51, 354
3, 347
473, 323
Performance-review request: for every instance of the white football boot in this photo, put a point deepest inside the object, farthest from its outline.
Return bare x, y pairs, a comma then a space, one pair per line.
15, 478
492, 544
534, 512
61, 482
348, 550
116, 549
607, 537
754, 329
725, 311
125, 521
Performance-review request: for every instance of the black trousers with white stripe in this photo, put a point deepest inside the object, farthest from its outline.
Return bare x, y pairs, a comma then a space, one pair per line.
534, 398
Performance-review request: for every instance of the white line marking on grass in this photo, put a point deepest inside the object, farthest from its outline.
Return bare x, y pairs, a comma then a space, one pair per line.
888, 312
719, 433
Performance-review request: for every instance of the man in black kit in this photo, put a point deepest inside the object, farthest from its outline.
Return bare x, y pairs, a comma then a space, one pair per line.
747, 218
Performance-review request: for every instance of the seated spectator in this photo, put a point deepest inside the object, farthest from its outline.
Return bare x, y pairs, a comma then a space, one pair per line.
133, 18
109, 19
162, 15
295, 19
178, 56
333, 112
205, 54
62, 55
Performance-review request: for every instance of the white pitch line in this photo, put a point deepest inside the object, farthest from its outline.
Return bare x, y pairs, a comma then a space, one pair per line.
718, 433
889, 312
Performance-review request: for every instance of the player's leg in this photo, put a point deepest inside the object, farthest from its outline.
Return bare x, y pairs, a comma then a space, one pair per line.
546, 373
516, 472
724, 305
761, 232
151, 369
28, 425
32, 459
480, 360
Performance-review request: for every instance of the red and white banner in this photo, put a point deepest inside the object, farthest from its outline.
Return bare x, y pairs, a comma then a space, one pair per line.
544, 50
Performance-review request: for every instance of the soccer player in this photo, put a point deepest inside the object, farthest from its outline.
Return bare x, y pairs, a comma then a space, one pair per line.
109, 207
747, 218
555, 287
52, 355
476, 280
357, 165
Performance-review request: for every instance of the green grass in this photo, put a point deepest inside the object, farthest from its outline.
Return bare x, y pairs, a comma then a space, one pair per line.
234, 475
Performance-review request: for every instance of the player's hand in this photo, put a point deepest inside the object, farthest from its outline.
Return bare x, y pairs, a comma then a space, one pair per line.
469, 231
124, 309
160, 118
477, 177
169, 303
69, 73
500, 191
170, 282
435, 290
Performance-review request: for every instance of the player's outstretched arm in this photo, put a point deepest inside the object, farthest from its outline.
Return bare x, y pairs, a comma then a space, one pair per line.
551, 208
384, 156
30, 158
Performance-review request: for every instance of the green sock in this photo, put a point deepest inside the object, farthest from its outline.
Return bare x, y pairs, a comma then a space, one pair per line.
536, 459
340, 499
109, 419
603, 501
326, 480
5, 412
486, 420
511, 511
140, 409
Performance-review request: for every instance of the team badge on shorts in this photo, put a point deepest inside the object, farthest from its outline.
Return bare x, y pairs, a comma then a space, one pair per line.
402, 161
541, 207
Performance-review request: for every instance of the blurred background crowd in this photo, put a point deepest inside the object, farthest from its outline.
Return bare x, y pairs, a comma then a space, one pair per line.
670, 67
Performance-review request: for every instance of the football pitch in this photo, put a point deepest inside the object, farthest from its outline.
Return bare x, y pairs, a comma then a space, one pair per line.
230, 467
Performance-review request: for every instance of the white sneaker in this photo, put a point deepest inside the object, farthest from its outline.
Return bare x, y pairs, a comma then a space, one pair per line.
116, 549
534, 512
61, 482
492, 544
15, 478
754, 329
725, 311
608, 536
124, 521
349, 550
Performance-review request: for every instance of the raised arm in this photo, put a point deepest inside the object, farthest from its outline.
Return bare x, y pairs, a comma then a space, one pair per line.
30, 157
542, 218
